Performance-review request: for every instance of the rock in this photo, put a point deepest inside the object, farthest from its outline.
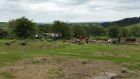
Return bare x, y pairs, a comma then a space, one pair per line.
111, 75
127, 71
84, 62
44, 59
8, 44
101, 77
23, 43
107, 75
124, 70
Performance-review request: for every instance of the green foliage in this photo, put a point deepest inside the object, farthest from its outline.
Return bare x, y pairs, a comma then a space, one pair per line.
97, 31
77, 31
23, 28
45, 28
113, 32
135, 31
87, 31
61, 28
125, 32
3, 33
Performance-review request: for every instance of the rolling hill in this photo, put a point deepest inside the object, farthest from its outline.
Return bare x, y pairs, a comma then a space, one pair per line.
3, 25
123, 22
127, 22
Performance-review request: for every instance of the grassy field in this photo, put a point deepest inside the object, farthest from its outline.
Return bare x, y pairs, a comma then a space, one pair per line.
116, 53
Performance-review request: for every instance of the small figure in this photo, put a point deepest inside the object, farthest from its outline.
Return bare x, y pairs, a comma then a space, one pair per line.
110, 41
36, 36
86, 40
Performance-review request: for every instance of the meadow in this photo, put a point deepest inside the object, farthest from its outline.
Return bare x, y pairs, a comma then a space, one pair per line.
115, 53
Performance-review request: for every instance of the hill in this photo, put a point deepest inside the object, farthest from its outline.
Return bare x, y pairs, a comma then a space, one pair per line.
86, 24
123, 22
3, 25
137, 25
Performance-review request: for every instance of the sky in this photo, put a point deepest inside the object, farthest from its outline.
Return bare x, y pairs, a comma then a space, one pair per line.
69, 10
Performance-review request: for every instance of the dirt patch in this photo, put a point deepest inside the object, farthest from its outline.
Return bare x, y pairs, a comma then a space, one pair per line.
59, 68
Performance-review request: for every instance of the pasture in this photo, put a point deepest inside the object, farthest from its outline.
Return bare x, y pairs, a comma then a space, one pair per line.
124, 56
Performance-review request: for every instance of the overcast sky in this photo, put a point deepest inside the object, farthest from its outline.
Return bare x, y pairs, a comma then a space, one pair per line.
69, 10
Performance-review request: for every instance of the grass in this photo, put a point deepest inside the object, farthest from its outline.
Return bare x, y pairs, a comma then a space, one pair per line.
6, 75
114, 53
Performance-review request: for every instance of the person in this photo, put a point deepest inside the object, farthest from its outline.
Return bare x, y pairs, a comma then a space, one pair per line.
86, 40
56, 36
53, 36
77, 41
36, 36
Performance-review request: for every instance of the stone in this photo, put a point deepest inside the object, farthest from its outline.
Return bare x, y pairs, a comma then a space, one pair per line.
111, 75
127, 71
107, 75
101, 77
8, 44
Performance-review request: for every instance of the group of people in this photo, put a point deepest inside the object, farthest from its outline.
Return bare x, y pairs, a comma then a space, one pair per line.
54, 36
82, 39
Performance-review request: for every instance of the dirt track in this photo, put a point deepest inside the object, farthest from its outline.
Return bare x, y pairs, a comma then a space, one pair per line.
57, 68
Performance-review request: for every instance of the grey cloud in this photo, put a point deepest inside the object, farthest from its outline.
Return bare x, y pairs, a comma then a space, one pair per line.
72, 10
68, 2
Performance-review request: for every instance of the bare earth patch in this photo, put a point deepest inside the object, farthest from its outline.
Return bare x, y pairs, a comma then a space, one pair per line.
59, 68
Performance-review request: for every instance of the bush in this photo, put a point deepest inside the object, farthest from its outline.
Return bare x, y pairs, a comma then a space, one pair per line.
3, 33
23, 28
113, 32
130, 40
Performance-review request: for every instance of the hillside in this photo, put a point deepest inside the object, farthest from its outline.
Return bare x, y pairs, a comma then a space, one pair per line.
137, 25
123, 22
3, 25
86, 24
134, 21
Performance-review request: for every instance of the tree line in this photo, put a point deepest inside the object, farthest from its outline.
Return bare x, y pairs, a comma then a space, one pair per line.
23, 28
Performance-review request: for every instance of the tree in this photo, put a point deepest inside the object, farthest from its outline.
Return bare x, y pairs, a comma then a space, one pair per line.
97, 31
3, 33
113, 32
44, 28
61, 28
135, 30
124, 32
77, 31
86, 31
23, 27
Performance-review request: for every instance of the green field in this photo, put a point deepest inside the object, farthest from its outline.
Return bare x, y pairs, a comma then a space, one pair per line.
116, 53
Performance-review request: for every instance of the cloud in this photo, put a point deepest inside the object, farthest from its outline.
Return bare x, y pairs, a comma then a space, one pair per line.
69, 10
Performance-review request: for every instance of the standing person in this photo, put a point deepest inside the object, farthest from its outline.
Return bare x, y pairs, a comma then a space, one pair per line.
86, 40
119, 38
78, 41
36, 36
53, 36
81, 38
57, 36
